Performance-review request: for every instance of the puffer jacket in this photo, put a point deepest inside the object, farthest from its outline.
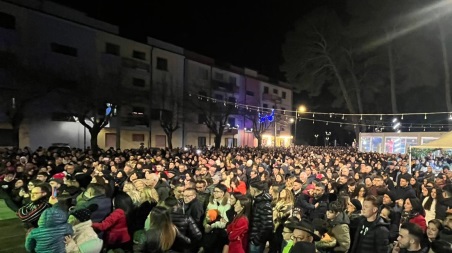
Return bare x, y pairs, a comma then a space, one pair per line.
261, 219
340, 230
115, 228
85, 240
49, 236
375, 239
320, 211
186, 225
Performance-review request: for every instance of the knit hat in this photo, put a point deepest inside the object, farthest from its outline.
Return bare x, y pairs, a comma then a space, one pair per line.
83, 179
85, 214
213, 214
357, 204
59, 178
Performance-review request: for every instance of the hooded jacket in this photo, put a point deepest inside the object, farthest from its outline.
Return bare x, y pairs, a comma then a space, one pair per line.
341, 231
375, 239
262, 219
49, 236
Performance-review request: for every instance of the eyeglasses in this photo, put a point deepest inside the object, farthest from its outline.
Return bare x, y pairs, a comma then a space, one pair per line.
36, 193
296, 238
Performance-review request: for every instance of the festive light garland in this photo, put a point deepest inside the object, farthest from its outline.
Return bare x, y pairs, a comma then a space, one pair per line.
292, 113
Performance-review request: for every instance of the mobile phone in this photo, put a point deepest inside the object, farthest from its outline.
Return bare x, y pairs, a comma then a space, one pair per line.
54, 192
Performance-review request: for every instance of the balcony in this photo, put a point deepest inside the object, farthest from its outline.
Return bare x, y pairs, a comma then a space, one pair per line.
135, 64
271, 97
224, 86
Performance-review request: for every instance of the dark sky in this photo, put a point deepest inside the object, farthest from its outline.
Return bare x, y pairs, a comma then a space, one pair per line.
243, 33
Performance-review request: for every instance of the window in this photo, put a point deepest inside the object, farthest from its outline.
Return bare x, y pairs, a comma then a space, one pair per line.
231, 122
250, 93
201, 118
139, 55
138, 137
218, 76
231, 99
232, 80
162, 64
218, 97
265, 105
203, 74
7, 21
138, 110
111, 49
283, 95
62, 49
138, 82
201, 142
265, 90
275, 91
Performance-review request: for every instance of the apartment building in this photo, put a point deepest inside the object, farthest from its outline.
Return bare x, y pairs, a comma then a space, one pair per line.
157, 79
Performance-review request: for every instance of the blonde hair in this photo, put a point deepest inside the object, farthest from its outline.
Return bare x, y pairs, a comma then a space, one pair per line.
149, 194
289, 199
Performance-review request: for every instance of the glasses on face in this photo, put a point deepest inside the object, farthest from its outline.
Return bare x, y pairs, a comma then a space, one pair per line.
36, 193
296, 238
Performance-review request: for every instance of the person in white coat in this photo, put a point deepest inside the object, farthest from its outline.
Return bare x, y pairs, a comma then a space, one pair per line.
85, 239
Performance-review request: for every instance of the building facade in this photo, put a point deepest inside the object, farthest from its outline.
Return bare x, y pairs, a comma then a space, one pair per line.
157, 78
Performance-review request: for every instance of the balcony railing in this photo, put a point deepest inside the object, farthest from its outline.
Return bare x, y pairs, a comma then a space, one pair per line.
134, 64
271, 97
224, 86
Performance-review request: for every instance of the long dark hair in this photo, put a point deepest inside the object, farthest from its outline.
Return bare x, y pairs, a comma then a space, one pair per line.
246, 204
428, 204
416, 206
123, 201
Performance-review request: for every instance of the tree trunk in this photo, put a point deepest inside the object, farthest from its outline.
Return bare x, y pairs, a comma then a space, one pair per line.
217, 140
16, 139
341, 82
259, 141
392, 78
444, 52
169, 135
94, 147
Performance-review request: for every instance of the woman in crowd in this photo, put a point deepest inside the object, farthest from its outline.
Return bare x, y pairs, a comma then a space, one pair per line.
360, 193
281, 211
115, 225
429, 204
162, 234
414, 212
238, 229
433, 229
215, 236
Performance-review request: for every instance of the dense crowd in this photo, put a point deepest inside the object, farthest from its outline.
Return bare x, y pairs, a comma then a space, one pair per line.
298, 199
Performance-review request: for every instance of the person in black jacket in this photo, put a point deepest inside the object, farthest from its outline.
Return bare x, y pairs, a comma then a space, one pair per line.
409, 239
320, 202
372, 234
261, 219
184, 223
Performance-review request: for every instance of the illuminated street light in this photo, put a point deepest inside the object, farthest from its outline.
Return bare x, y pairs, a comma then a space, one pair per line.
301, 109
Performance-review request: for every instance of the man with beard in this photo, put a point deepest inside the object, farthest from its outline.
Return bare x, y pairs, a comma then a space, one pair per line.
320, 202
409, 240
30, 213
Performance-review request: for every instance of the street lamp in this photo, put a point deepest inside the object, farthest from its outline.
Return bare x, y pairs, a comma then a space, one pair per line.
327, 137
301, 109
316, 137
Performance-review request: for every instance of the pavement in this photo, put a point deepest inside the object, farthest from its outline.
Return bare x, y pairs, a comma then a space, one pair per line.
12, 233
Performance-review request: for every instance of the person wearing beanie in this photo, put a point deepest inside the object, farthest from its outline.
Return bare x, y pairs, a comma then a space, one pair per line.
85, 239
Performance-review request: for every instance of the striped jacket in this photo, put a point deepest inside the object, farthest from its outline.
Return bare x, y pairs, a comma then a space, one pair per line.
31, 212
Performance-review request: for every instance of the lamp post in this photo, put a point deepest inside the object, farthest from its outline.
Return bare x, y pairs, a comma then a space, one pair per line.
301, 109
327, 138
316, 137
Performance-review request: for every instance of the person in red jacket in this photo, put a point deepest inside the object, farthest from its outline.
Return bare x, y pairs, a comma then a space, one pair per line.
238, 229
238, 186
414, 212
115, 225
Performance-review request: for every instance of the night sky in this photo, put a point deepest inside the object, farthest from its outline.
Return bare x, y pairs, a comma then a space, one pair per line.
242, 33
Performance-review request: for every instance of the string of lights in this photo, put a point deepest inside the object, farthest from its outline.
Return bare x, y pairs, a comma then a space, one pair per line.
369, 123
331, 114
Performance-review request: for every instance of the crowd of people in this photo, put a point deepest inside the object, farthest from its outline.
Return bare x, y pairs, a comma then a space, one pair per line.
298, 199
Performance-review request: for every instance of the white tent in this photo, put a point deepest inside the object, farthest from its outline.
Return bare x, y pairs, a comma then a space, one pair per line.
444, 142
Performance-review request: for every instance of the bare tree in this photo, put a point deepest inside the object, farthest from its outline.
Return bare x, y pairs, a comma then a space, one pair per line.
170, 112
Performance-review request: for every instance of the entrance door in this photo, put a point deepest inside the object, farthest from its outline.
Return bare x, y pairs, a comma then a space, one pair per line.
110, 140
